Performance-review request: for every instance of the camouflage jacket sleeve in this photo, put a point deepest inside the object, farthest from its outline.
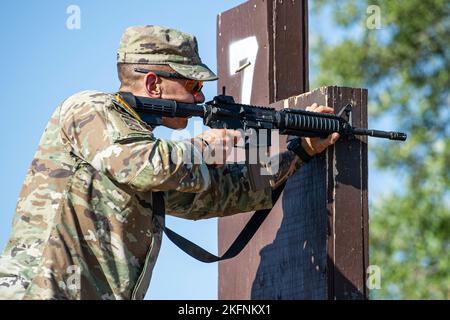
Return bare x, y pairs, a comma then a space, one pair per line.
104, 135
229, 193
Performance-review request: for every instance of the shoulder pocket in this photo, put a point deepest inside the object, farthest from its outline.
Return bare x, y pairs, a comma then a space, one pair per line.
125, 128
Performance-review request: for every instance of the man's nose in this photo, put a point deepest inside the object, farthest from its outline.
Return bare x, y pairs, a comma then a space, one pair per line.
199, 97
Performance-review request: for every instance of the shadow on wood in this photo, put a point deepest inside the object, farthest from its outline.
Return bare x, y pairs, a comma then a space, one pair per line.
314, 243
296, 264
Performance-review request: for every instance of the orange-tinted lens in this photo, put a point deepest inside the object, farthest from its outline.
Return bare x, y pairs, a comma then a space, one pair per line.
193, 86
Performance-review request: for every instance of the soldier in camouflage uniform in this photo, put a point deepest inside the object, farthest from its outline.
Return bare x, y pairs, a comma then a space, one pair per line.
84, 226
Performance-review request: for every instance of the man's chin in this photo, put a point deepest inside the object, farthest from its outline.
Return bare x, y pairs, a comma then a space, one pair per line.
175, 123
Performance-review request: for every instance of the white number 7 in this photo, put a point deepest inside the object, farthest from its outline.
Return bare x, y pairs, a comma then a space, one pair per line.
243, 52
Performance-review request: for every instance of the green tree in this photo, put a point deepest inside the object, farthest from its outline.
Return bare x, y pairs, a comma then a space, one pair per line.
405, 64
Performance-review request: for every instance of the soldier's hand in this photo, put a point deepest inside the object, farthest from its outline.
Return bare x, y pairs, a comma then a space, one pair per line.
219, 144
316, 145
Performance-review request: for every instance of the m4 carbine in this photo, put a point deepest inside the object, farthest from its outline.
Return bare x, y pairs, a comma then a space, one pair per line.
223, 112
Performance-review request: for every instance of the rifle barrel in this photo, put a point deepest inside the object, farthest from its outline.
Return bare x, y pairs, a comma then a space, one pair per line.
392, 135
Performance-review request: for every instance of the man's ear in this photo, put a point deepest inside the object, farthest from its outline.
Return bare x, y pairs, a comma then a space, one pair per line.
151, 85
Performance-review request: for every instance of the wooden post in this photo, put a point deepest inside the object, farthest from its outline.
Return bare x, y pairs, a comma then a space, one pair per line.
313, 245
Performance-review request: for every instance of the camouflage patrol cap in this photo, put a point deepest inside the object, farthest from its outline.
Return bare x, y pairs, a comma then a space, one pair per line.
161, 45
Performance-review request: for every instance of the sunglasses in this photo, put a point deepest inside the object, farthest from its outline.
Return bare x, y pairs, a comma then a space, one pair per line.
192, 86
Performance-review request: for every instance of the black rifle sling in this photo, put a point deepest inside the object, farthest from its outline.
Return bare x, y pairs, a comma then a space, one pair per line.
198, 252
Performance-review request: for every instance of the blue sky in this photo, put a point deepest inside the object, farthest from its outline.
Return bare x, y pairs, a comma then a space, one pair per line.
43, 63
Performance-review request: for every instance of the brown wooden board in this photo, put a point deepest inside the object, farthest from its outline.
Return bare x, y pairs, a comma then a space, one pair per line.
288, 29
256, 18
279, 27
313, 245
346, 196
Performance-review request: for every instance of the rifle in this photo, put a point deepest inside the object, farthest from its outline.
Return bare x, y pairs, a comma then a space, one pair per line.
223, 113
